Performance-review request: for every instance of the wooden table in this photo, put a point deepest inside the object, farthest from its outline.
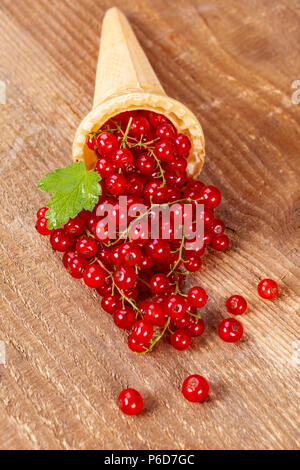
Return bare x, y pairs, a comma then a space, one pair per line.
233, 63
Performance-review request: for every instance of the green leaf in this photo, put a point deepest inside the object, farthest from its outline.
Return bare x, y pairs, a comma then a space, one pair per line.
74, 189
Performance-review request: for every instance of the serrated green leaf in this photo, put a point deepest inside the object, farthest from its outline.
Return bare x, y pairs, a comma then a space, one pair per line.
64, 179
75, 189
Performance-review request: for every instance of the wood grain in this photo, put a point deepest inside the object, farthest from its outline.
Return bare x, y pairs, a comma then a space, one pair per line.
232, 62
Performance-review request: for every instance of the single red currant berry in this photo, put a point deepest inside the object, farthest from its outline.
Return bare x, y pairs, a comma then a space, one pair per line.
77, 267
157, 119
94, 276
267, 289
182, 145
135, 184
106, 289
123, 159
135, 345
116, 184
145, 164
236, 305
211, 196
75, 226
195, 388
179, 165
181, 339
130, 401
104, 167
41, 212
125, 277
165, 131
159, 284
220, 242
197, 297
154, 313
158, 250
139, 126
111, 303
130, 254
60, 240
87, 247
218, 227
107, 144
176, 306
42, 227
196, 327
145, 263
67, 257
164, 150
192, 263
91, 142
124, 318
143, 330
230, 330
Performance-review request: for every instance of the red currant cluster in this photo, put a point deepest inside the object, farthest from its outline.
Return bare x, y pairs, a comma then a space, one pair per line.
140, 155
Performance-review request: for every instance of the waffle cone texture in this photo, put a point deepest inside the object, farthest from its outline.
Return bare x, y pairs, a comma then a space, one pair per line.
126, 81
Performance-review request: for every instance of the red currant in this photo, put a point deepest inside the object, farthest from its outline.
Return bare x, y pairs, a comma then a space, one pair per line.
111, 303
42, 227
130, 254
135, 184
220, 242
139, 126
236, 305
94, 276
91, 142
192, 263
135, 345
41, 212
267, 289
145, 263
153, 312
230, 330
124, 318
60, 240
107, 144
158, 250
211, 196
125, 277
218, 226
75, 226
159, 284
116, 183
130, 401
183, 145
77, 267
197, 297
164, 150
145, 164
123, 159
67, 257
165, 131
196, 327
87, 247
181, 339
157, 119
104, 167
143, 330
176, 306
195, 388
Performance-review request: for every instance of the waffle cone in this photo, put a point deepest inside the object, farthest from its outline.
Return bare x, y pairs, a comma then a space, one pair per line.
126, 81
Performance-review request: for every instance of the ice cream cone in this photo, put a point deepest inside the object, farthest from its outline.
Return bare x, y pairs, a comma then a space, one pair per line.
126, 81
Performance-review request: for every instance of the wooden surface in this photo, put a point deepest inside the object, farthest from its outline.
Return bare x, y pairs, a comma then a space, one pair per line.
233, 63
